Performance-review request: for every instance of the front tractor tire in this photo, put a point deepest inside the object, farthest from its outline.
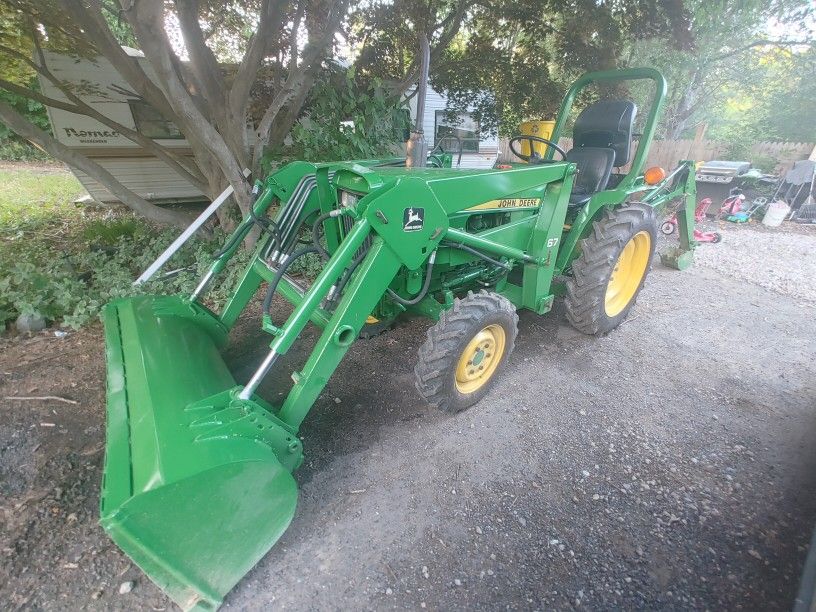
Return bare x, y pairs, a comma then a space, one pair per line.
608, 275
466, 350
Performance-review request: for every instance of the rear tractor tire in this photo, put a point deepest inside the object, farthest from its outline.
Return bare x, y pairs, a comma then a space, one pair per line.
608, 275
466, 350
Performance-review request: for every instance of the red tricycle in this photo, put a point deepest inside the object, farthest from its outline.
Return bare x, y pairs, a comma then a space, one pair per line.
669, 226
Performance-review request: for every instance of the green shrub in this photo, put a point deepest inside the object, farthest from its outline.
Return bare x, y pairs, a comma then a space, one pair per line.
66, 261
346, 120
12, 147
71, 287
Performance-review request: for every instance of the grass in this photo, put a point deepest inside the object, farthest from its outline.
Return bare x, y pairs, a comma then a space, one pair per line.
32, 198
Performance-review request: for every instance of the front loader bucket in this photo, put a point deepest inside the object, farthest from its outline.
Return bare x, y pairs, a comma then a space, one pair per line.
197, 484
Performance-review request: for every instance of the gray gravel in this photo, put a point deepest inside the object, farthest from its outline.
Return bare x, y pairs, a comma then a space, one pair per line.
775, 259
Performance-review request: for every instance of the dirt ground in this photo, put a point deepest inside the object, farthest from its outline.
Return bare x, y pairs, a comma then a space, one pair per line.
670, 464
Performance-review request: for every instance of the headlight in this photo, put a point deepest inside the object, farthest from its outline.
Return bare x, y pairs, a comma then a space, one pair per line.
348, 199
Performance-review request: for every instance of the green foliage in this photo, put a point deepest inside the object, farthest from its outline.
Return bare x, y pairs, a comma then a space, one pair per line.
347, 120
731, 79
772, 100
739, 139
16, 149
119, 27
516, 59
65, 262
30, 109
12, 147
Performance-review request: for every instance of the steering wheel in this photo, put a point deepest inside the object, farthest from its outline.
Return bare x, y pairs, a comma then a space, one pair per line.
534, 157
439, 148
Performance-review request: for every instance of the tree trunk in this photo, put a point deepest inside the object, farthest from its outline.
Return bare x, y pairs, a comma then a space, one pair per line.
136, 203
147, 20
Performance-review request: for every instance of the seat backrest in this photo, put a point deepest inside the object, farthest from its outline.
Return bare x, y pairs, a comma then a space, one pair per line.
594, 167
606, 124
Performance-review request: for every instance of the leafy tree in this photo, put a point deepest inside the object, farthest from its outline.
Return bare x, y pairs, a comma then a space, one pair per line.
723, 59
771, 99
32, 110
348, 120
517, 57
209, 104
219, 67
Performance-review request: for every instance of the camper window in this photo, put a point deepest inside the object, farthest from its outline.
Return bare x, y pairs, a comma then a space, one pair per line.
149, 122
462, 125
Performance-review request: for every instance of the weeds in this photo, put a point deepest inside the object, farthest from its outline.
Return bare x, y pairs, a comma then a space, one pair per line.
66, 262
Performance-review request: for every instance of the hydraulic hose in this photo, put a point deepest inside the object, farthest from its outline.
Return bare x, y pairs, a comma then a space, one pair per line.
273, 285
349, 271
267, 225
316, 234
425, 286
294, 235
233, 240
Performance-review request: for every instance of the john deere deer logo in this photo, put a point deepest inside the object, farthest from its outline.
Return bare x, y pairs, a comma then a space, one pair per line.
413, 219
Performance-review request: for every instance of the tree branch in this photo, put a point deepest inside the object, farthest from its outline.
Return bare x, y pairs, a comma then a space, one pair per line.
94, 24
293, 42
147, 20
450, 26
269, 28
193, 176
757, 43
205, 68
130, 69
135, 202
38, 97
297, 84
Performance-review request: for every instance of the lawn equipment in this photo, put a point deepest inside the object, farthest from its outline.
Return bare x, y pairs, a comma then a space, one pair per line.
669, 226
733, 204
198, 478
735, 208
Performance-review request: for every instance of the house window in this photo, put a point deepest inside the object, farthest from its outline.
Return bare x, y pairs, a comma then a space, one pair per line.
463, 126
150, 122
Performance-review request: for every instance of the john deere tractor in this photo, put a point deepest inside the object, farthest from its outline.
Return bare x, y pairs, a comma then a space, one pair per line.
198, 478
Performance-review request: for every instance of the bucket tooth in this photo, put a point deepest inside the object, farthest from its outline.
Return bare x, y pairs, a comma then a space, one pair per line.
197, 484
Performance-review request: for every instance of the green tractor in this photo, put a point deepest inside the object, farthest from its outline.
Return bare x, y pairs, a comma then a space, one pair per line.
198, 478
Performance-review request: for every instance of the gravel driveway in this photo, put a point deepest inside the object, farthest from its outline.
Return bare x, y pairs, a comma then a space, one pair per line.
670, 464
782, 262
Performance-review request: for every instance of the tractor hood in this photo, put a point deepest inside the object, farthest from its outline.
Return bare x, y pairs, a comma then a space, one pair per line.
358, 179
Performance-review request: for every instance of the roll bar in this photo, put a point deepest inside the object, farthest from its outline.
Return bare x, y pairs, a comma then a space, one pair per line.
628, 74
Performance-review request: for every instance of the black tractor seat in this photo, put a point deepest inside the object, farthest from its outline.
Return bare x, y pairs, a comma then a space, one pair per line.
602, 140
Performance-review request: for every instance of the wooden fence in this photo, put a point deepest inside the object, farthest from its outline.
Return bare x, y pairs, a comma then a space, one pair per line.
667, 153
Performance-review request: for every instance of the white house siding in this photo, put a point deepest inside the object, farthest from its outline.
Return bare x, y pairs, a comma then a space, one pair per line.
488, 146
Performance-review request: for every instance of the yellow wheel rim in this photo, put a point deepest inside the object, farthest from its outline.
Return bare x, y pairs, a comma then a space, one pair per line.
627, 274
479, 360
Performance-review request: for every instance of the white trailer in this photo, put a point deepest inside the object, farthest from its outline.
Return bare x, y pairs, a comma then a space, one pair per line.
99, 85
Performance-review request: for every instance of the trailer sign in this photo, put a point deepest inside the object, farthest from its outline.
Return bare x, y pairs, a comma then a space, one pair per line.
91, 136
